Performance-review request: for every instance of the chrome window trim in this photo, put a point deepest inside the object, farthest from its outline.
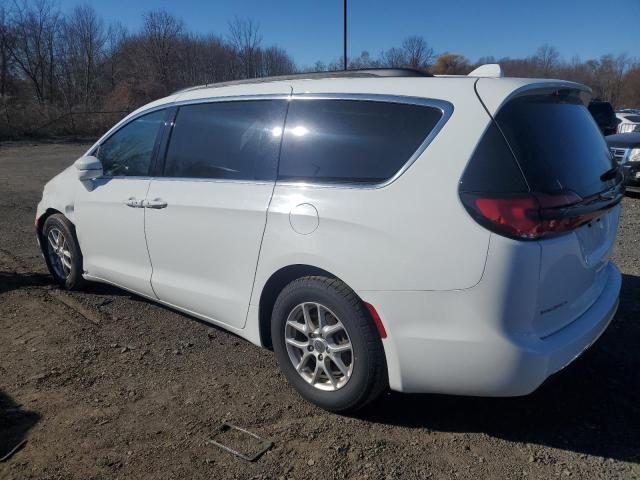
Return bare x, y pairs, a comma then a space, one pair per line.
446, 108
233, 98
124, 177
215, 180
177, 103
124, 122
188, 179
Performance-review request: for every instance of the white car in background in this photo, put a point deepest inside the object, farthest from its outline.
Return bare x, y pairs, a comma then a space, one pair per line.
629, 121
375, 228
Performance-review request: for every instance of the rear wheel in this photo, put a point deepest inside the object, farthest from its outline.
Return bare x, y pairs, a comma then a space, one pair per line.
326, 344
61, 252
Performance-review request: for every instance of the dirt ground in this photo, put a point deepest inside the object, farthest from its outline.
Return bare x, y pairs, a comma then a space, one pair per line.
103, 384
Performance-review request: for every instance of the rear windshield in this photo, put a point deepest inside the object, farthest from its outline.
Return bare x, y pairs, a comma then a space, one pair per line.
557, 144
632, 118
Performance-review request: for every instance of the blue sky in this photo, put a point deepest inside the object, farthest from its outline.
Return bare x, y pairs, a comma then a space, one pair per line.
312, 30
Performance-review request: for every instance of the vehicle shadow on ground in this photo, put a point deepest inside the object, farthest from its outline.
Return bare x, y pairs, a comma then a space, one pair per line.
12, 281
591, 407
15, 423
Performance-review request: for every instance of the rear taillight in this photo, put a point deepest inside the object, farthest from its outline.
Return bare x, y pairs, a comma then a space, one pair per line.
527, 216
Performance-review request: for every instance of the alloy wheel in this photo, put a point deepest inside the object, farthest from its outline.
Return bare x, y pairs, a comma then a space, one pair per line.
319, 346
59, 253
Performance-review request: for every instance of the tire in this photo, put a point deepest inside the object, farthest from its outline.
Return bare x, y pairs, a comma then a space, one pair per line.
67, 273
344, 314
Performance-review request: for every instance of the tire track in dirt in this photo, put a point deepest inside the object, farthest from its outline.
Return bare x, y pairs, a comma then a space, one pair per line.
18, 278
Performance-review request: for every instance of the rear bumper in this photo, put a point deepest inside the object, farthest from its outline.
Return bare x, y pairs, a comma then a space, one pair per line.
457, 351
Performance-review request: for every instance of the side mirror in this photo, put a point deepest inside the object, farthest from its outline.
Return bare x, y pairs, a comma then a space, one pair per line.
89, 168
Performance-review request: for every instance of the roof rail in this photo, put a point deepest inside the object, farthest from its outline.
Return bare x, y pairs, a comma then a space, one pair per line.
361, 73
493, 70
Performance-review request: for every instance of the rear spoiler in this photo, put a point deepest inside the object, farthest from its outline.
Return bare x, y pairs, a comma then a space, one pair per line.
493, 94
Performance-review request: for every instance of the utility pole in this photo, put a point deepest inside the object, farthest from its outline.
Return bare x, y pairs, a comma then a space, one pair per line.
344, 54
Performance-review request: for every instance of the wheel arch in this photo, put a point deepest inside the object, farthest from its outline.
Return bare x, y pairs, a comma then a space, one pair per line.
275, 284
272, 288
40, 221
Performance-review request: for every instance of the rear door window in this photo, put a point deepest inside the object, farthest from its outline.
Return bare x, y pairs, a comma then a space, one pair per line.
352, 141
557, 144
235, 140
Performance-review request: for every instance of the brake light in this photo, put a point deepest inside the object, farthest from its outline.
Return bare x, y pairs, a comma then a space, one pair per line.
527, 217
513, 216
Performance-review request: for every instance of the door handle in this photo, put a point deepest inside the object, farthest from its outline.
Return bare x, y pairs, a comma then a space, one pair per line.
156, 203
133, 202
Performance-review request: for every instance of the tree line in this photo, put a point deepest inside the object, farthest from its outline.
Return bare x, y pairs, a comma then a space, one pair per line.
74, 74
614, 78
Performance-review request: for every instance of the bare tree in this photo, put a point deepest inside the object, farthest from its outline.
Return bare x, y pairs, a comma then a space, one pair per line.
364, 60
6, 42
546, 59
319, 67
83, 40
115, 37
394, 57
219, 60
485, 60
162, 34
52, 65
276, 61
417, 52
245, 37
630, 92
609, 73
35, 27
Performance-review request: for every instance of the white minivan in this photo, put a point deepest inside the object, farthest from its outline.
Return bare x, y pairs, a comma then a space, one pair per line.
374, 228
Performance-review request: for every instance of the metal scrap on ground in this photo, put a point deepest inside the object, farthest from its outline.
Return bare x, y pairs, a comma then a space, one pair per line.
263, 445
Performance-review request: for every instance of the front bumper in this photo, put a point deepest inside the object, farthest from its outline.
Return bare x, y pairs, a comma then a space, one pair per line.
455, 353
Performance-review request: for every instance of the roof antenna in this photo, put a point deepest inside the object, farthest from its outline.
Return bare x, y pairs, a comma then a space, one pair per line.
493, 70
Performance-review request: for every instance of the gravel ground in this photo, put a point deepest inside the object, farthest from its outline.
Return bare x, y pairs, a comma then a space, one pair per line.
103, 384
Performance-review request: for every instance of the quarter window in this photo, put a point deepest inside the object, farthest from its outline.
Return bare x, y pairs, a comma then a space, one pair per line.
352, 141
237, 140
129, 150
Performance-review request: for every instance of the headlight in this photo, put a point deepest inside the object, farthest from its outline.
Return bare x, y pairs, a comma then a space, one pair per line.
634, 155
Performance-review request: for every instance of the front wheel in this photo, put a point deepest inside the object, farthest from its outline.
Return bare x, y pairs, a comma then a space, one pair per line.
327, 345
62, 252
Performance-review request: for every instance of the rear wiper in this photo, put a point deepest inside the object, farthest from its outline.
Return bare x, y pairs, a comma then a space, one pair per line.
598, 202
